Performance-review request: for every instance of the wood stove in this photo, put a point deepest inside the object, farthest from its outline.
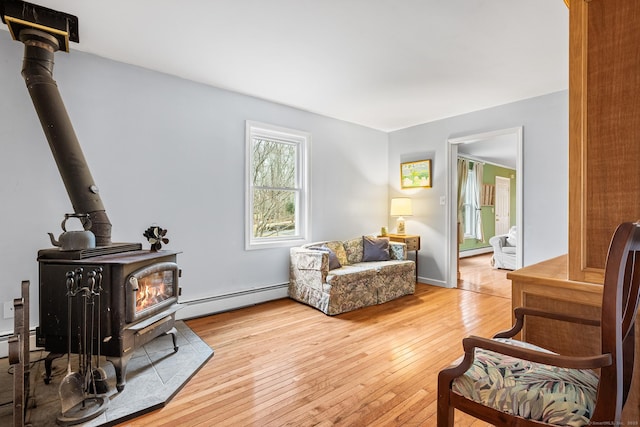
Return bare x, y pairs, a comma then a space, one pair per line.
139, 298
139, 289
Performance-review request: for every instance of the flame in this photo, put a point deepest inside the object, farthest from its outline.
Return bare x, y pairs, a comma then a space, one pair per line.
153, 289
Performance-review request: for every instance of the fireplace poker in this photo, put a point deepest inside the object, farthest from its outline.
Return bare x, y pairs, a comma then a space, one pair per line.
70, 391
97, 375
89, 300
81, 331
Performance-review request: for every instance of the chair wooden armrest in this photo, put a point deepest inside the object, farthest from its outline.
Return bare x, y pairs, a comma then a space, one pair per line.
573, 362
521, 312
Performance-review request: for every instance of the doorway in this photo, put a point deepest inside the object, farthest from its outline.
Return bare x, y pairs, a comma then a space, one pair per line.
503, 205
477, 275
487, 144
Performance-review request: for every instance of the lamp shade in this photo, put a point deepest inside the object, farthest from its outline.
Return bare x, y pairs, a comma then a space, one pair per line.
401, 206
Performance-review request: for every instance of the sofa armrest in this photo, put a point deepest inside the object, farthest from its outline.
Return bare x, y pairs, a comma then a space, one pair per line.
309, 259
398, 250
308, 267
498, 242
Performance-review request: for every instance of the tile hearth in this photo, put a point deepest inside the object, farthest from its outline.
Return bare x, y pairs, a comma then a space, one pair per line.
154, 375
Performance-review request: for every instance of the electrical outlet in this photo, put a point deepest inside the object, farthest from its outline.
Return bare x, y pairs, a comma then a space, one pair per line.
8, 310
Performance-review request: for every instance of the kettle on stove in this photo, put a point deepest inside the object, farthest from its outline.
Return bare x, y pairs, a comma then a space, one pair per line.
75, 240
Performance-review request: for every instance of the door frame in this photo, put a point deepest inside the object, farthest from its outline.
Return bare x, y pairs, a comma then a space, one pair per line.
452, 194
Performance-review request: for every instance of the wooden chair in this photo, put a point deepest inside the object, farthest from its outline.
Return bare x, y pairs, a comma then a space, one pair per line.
510, 383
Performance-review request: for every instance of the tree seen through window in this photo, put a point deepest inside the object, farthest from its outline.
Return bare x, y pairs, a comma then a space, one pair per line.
274, 196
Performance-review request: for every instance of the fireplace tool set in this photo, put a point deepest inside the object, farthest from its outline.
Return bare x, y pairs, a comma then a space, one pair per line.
83, 393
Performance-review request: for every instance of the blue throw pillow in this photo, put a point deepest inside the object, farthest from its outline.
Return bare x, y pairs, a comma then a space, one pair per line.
375, 248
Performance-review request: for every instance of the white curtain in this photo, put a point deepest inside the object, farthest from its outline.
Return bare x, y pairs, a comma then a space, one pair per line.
463, 173
479, 168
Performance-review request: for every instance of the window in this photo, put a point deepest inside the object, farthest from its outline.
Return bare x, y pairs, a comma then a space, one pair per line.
277, 194
470, 204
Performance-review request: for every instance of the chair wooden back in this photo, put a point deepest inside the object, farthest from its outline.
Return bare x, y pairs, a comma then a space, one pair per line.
620, 301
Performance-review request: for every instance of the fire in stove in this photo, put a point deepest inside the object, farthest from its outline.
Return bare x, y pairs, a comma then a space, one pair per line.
152, 288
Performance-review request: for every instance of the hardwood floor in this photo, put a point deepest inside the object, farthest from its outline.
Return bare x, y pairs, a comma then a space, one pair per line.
283, 363
477, 275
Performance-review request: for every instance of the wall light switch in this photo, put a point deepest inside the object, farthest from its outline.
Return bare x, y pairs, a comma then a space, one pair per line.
8, 310
443, 200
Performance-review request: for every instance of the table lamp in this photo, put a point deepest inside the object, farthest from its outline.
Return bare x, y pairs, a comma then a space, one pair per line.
401, 207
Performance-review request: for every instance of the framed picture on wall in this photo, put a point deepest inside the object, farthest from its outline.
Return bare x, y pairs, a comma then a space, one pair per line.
415, 174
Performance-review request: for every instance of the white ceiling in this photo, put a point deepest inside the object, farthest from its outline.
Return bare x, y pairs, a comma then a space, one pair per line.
501, 150
385, 64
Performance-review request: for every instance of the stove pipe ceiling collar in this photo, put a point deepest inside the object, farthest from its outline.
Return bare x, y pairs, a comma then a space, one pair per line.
44, 31
19, 15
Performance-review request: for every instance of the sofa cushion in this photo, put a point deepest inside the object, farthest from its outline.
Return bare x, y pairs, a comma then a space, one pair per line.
354, 250
393, 266
508, 250
338, 248
333, 259
375, 248
346, 276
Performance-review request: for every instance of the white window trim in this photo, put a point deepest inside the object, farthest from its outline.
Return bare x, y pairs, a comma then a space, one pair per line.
303, 176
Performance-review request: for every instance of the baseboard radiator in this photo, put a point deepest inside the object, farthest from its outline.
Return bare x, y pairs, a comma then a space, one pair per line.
230, 301
196, 308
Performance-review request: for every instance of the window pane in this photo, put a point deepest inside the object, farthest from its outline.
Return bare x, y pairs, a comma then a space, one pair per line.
273, 164
274, 213
469, 205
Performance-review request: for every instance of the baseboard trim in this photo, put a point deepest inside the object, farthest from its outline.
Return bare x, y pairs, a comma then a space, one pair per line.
473, 252
4, 343
433, 282
230, 301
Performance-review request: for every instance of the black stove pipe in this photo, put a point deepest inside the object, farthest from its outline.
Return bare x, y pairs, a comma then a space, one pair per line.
37, 70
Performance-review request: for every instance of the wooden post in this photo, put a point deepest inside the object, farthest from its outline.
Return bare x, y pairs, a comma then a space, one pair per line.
19, 355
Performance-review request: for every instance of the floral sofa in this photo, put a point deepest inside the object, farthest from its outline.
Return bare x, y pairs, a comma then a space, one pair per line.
340, 276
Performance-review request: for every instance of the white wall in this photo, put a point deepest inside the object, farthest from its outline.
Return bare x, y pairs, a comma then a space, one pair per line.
545, 176
168, 151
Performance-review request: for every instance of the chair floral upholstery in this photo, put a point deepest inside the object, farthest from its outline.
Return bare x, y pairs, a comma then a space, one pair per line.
356, 283
557, 396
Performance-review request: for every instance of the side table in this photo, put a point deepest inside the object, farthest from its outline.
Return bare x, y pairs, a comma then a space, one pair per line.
413, 244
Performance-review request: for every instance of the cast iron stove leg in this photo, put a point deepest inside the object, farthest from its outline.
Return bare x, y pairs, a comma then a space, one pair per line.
174, 332
120, 366
120, 363
48, 361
